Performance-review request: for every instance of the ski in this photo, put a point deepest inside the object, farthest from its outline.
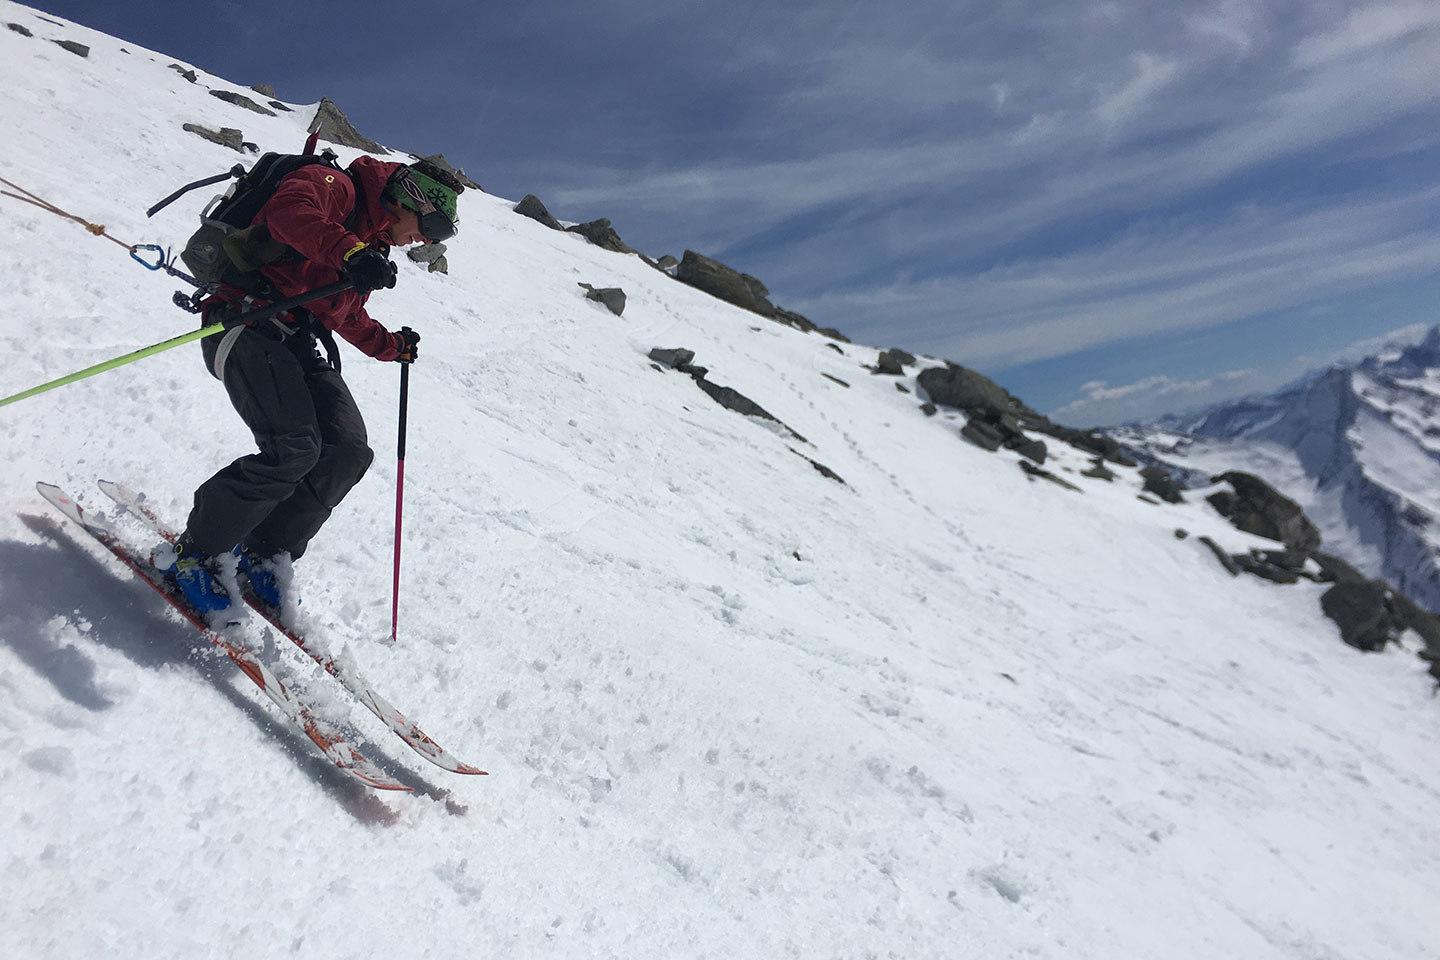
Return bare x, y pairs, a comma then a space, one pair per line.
342, 668
331, 743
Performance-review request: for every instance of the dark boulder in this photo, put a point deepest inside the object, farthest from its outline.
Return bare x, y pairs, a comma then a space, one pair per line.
983, 434
438, 160
893, 362
532, 207
1226, 560
612, 297
332, 125
1159, 482
240, 100
600, 233
21, 29
955, 386
674, 357
1256, 563
79, 49
1363, 612
226, 136
718, 280
1260, 509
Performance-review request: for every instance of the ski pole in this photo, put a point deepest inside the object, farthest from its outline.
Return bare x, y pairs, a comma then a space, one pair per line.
400, 490
249, 316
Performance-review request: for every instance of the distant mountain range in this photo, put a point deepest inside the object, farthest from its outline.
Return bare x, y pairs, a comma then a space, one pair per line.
1357, 445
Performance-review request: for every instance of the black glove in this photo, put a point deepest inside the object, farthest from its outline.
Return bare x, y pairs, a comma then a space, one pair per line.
370, 269
406, 343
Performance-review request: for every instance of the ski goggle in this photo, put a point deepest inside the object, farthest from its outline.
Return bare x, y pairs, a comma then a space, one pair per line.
429, 199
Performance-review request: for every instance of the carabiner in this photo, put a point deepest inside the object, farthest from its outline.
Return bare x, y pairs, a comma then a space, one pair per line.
160, 251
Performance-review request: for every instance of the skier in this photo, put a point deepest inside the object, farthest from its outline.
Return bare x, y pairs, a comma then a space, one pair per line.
257, 515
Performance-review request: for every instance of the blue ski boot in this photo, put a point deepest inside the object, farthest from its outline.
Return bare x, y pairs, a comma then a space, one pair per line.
270, 578
199, 580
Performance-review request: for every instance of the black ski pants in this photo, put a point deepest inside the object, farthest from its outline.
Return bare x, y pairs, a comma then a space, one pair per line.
312, 441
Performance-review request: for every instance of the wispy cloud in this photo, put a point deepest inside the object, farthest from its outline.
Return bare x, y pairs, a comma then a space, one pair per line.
1101, 403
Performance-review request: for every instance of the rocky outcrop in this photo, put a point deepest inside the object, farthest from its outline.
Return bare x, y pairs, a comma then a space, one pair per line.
612, 297
1159, 482
532, 207
718, 280
682, 360
438, 160
240, 100
226, 136
1258, 508
600, 233
332, 125
432, 255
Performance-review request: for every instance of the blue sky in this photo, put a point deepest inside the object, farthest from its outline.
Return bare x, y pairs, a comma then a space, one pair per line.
1116, 209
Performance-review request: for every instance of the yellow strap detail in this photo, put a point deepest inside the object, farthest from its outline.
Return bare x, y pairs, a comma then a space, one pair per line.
353, 250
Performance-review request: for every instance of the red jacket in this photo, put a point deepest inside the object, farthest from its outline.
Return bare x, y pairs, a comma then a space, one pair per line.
308, 212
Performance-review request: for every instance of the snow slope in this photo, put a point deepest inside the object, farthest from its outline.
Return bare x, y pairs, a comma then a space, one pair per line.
729, 706
1358, 446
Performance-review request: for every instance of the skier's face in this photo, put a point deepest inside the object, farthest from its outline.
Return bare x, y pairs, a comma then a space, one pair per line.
406, 228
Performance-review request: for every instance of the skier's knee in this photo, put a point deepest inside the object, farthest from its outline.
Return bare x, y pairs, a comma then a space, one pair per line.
344, 464
293, 455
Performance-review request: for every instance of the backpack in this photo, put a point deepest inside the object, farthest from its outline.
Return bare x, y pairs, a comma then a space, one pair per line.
227, 250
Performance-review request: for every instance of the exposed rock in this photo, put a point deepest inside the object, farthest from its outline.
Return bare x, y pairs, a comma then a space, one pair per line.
185, 72
332, 125
1363, 613
892, 362
823, 470
612, 297
720, 281
1226, 561
929, 409
79, 49
264, 89
1034, 472
426, 253
798, 321
955, 386
983, 434
1260, 509
600, 233
24, 31
667, 263
836, 380
1335, 570
830, 332
1423, 622
433, 255
1031, 449
532, 207
225, 136
1099, 471
438, 160
1106, 447
1181, 533
283, 108
240, 100
902, 388
1158, 482
677, 357
1260, 567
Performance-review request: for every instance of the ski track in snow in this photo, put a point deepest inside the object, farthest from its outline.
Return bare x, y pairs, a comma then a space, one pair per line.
728, 705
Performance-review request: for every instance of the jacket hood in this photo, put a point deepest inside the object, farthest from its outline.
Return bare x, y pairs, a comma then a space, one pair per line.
370, 176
